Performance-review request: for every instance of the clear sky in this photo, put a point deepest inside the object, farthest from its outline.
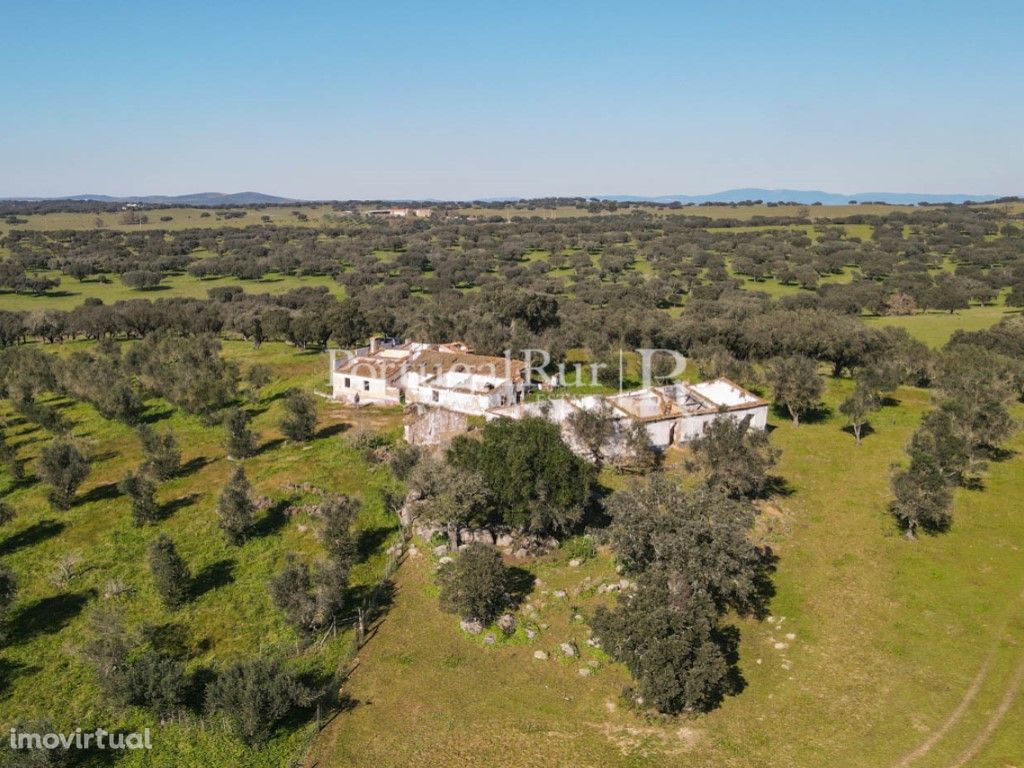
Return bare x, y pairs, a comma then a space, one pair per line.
392, 99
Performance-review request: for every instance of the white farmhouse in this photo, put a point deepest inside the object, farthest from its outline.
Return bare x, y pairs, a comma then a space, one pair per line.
443, 375
444, 384
671, 415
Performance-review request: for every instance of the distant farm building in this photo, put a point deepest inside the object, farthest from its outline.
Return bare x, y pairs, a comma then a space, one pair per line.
398, 213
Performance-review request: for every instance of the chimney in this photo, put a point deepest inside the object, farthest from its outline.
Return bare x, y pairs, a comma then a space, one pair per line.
373, 346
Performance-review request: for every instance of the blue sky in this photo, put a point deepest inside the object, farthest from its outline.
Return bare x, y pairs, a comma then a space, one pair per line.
461, 100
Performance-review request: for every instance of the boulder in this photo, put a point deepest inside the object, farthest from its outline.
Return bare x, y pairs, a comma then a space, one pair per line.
507, 623
541, 655
490, 639
441, 550
568, 649
473, 627
575, 563
585, 672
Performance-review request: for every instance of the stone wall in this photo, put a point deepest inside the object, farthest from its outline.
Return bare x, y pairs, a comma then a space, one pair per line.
427, 425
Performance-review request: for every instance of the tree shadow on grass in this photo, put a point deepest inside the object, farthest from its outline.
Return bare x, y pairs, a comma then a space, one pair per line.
35, 533
170, 638
728, 639
520, 585
273, 520
46, 615
213, 576
332, 429
154, 416
268, 399
169, 508
865, 430
776, 485
10, 670
375, 599
371, 539
192, 465
103, 492
997, 454
270, 445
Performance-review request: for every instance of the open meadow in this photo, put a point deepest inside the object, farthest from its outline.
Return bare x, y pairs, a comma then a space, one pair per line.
230, 613
877, 649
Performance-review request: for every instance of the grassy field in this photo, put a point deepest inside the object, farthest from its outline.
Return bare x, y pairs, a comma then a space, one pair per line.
318, 215
71, 292
231, 616
872, 652
181, 218
934, 328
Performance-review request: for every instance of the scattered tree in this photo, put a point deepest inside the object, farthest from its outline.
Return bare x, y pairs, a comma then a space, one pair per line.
140, 489
64, 468
253, 697
299, 422
235, 508
476, 585
923, 500
535, 481
734, 457
290, 591
858, 407
239, 439
162, 457
796, 384
593, 428
450, 496
666, 635
170, 572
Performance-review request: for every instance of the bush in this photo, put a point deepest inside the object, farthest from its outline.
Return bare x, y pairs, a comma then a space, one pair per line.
476, 585
290, 592
64, 467
239, 439
254, 696
161, 453
157, 682
140, 488
235, 508
299, 422
666, 636
170, 573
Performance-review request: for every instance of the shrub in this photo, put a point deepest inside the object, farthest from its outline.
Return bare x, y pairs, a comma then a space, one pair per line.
160, 451
254, 696
64, 467
140, 488
476, 585
157, 682
239, 439
235, 508
170, 572
299, 422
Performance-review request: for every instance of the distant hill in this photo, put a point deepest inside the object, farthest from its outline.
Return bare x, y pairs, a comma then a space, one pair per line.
802, 196
747, 194
196, 199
